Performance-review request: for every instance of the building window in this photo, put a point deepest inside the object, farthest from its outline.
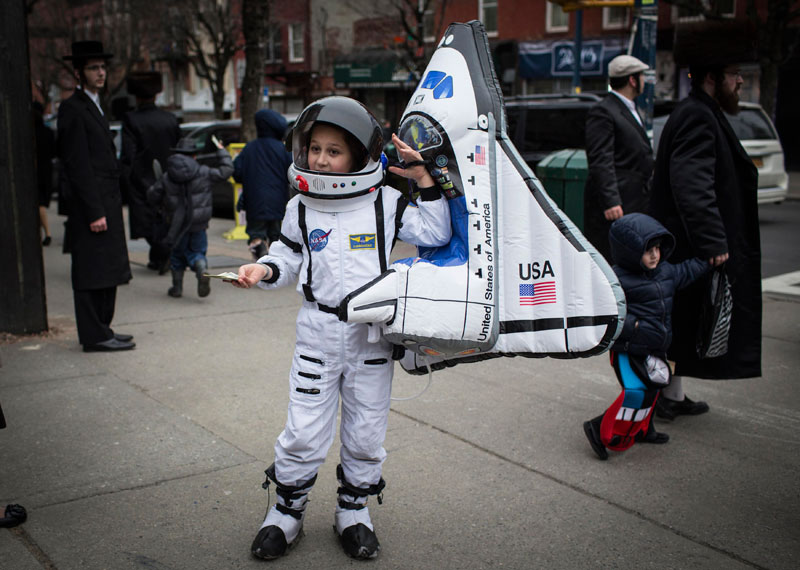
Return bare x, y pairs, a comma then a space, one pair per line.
274, 45
429, 26
557, 20
724, 8
615, 17
297, 50
487, 11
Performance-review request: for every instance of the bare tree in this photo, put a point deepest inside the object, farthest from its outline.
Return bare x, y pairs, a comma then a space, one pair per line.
415, 52
211, 33
255, 21
771, 25
129, 31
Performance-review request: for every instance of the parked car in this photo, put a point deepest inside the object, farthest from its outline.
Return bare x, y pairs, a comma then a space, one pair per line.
538, 125
758, 137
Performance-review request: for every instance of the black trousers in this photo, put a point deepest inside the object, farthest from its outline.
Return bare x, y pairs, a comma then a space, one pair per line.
94, 310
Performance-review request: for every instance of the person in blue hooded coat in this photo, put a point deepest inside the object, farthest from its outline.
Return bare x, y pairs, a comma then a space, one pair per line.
639, 246
261, 169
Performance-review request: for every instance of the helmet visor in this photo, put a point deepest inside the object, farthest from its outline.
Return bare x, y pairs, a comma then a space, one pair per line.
419, 133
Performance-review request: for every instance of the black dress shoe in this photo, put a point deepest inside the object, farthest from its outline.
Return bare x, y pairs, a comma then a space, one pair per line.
592, 431
670, 409
109, 345
123, 337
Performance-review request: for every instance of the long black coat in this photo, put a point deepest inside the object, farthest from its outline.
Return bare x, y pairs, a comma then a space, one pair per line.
91, 180
705, 193
147, 133
620, 167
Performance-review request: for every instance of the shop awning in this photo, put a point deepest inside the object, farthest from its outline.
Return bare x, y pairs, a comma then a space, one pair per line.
556, 58
376, 67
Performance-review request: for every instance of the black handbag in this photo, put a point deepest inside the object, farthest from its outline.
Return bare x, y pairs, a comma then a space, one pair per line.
715, 315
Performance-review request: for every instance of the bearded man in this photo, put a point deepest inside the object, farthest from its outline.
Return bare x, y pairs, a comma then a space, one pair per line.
705, 193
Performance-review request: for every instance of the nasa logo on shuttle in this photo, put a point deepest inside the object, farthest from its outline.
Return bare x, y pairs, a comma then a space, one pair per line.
536, 270
318, 239
440, 82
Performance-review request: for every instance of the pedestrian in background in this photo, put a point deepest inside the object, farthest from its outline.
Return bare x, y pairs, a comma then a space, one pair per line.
705, 194
640, 247
95, 232
261, 169
148, 133
619, 154
45, 142
184, 192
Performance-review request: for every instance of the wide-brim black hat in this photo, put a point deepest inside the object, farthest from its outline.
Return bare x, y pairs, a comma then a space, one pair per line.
144, 84
715, 43
184, 146
88, 49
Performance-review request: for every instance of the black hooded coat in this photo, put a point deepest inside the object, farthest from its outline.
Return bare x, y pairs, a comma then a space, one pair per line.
705, 193
184, 191
261, 168
649, 293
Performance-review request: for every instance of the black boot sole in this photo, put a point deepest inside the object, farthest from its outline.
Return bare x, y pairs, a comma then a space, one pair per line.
594, 440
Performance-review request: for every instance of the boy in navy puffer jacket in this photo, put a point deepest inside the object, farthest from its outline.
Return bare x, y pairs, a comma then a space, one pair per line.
184, 191
638, 245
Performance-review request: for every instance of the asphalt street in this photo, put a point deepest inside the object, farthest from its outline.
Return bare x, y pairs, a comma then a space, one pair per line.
154, 458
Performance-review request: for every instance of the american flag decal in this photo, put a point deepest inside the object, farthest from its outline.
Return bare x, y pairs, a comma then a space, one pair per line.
537, 293
480, 155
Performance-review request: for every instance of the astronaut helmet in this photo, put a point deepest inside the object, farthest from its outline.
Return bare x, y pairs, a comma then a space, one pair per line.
333, 191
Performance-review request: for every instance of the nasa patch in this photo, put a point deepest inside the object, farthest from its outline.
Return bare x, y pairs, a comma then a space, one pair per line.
318, 239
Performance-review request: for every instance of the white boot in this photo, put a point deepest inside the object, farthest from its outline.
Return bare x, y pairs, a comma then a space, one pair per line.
282, 528
352, 520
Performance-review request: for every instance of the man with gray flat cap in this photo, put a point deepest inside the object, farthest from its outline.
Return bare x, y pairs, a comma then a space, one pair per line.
619, 154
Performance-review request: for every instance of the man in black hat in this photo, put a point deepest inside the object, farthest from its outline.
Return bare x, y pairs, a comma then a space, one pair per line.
618, 152
147, 134
95, 233
705, 193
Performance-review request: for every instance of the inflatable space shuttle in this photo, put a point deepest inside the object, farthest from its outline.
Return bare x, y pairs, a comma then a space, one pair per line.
517, 278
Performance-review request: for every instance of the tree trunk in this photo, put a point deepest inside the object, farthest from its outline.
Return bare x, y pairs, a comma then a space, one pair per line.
768, 86
218, 94
255, 16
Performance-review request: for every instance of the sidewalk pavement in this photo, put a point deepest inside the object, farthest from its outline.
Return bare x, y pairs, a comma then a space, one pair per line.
154, 458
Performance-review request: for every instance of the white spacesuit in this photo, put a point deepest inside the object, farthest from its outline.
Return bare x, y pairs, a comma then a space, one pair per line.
336, 237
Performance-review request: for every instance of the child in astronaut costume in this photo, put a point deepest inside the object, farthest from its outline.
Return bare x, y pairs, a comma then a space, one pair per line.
336, 236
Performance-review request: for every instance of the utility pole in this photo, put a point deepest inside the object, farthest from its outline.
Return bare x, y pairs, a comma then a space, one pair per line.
578, 46
23, 308
643, 47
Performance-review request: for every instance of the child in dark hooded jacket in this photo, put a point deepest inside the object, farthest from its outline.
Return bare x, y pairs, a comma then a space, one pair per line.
639, 244
184, 191
261, 168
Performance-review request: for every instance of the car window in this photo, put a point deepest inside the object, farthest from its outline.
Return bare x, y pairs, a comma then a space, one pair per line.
751, 124
549, 128
197, 138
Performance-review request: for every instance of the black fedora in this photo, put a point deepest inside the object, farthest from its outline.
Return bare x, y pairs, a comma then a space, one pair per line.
184, 146
88, 49
144, 84
711, 43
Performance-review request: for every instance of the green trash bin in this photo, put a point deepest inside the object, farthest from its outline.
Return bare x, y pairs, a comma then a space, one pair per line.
563, 175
